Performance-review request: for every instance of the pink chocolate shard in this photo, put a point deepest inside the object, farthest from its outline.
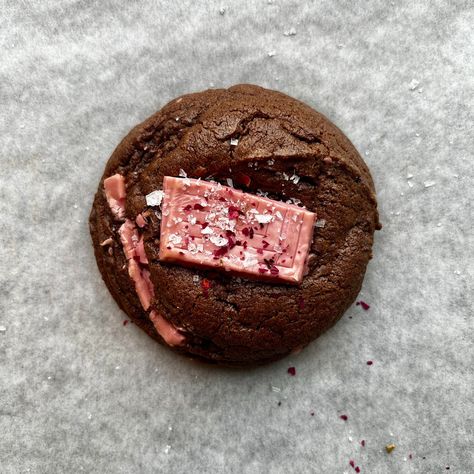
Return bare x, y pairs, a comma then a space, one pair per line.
136, 259
209, 225
114, 187
166, 330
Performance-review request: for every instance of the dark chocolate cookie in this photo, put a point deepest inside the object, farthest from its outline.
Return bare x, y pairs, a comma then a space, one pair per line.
266, 143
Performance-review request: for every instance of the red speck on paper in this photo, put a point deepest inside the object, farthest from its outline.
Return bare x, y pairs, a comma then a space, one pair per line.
370, 362
312, 413
410, 456
351, 463
344, 417
362, 443
292, 371
357, 469
364, 305
125, 322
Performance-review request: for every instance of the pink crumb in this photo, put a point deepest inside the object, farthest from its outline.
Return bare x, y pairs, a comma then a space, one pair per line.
364, 305
292, 371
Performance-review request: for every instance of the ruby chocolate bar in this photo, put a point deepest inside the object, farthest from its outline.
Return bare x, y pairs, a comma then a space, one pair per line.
205, 224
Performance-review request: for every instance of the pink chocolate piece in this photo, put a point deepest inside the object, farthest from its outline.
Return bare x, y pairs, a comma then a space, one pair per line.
114, 187
166, 330
136, 259
214, 226
140, 220
132, 244
143, 284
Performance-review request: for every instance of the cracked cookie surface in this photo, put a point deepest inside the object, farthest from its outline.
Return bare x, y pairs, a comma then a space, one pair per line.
269, 138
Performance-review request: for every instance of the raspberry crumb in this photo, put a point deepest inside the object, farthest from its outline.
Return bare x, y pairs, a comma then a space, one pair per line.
301, 302
312, 413
370, 362
364, 305
292, 371
362, 443
357, 469
351, 463
242, 178
344, 417
205, 285
125, 322
233, 212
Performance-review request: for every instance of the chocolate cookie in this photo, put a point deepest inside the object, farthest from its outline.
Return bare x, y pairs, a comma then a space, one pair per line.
203, 302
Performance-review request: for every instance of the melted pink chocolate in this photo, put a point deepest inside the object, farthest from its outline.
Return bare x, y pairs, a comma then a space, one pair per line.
209, 225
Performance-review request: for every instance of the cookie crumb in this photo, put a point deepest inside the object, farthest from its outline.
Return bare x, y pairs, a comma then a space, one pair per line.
222, 11
429, 184
270, 54
290, 32
389, 448
3, 329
